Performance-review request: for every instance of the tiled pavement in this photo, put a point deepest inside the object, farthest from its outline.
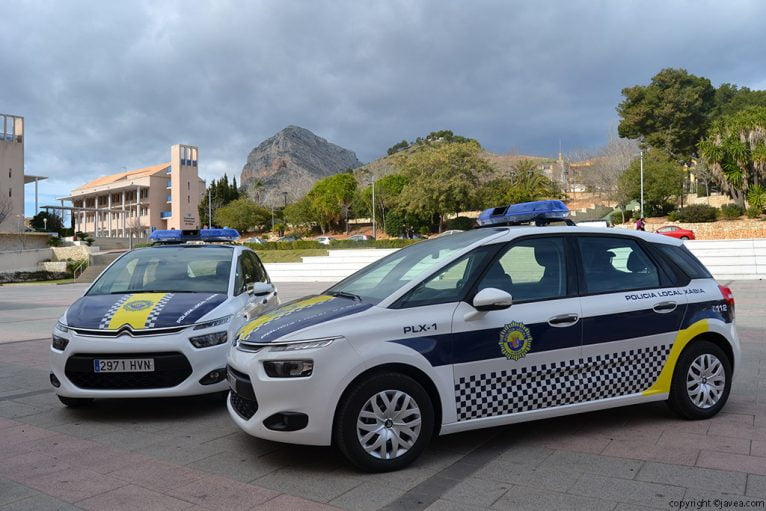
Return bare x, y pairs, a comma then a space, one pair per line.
186, 454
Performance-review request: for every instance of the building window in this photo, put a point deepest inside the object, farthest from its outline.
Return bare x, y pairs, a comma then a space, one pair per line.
9, 173
188, 185
9, 192
188, 199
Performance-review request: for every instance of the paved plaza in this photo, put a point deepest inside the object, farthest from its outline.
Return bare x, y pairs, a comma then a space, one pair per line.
187, 454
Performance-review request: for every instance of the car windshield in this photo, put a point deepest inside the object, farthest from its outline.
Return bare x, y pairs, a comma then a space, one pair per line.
194, 269
382, 278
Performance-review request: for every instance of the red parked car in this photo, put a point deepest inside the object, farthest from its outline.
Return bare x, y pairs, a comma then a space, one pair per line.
676, 232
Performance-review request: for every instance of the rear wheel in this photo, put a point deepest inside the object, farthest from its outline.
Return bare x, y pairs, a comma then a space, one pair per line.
384, 423
701, 381
76, 402
684, 237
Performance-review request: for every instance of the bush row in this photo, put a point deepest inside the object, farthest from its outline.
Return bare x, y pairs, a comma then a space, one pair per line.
337, 244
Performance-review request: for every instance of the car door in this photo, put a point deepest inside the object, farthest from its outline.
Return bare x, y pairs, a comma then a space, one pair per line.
525, 357
631, 315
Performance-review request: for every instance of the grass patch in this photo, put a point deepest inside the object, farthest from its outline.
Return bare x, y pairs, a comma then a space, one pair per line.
289, 256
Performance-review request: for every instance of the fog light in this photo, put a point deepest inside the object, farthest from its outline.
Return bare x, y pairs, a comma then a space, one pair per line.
214, 376
289, 368
59, 343
287, 421
55, 381
207, 340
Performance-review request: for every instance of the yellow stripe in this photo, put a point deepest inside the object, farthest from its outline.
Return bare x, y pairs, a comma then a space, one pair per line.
662, 385
133, 313
246, 330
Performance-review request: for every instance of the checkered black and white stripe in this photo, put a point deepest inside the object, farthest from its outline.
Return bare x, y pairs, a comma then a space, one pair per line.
559, 383
110, 313
152, 318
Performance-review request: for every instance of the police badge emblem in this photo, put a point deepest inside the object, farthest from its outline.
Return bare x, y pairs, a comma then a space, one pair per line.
515, 340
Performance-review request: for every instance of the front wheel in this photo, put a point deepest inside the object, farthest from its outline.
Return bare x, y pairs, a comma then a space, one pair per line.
701, 381
384, 423
685, 238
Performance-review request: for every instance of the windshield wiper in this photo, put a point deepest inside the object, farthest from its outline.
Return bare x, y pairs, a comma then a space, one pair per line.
344, 294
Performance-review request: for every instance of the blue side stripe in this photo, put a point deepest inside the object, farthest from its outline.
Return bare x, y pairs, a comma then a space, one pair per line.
462, 347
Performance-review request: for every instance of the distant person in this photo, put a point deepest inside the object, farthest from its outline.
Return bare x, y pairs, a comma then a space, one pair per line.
640, 224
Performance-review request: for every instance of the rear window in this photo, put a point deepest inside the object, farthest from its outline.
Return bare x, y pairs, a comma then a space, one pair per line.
685, 260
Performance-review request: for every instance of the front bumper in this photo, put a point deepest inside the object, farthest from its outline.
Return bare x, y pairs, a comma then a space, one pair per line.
179, 366
257, 398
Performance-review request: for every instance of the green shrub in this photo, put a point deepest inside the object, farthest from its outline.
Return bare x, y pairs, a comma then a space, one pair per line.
732, 211
673, 216
616, 217
753, 212
696, 213
337, 244
54, 241
462, 223
72, 264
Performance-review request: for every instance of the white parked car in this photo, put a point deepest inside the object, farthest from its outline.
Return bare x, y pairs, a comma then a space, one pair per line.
324, 240
483, 328
158, 322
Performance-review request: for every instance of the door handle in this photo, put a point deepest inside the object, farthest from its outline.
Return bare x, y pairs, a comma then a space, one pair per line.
665, 307
563, 320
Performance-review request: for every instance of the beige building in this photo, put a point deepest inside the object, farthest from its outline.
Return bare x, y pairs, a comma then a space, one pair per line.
12, 178
163, 196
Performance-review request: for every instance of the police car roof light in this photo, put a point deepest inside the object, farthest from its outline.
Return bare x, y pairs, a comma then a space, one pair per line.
524, 212
170, 236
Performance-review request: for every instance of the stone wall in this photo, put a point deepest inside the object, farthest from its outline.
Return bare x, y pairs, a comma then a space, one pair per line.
26, 260
76, 253
719, 230
31, 276
25, 241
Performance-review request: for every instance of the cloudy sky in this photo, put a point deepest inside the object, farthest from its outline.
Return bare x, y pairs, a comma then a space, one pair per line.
111, 85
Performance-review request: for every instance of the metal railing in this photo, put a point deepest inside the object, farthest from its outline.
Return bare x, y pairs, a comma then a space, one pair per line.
79, 268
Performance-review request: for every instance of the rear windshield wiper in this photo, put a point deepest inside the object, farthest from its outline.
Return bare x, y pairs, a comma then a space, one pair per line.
344, 294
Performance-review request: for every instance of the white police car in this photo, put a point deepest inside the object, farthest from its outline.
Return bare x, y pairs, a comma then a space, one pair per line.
482, 328
158, 321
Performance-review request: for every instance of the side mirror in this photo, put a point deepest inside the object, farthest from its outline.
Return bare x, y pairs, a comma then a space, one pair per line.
259, 288
492, 299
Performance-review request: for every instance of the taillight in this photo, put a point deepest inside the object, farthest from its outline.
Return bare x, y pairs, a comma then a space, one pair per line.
728, 297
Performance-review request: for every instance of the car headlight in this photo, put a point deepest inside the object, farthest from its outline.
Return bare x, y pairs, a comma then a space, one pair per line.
307, 345
61, 327
288, 368
207, 340
212, 323
59, 343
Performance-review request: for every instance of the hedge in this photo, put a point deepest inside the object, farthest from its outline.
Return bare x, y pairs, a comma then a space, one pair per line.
696, 213
336, 244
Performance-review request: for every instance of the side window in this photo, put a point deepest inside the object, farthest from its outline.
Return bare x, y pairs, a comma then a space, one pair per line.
611, 265
685, 260
245, 273
448, 284
531, 269
258, 269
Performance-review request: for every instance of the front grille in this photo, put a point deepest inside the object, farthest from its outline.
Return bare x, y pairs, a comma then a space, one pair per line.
170, 369
245, 408
151, 332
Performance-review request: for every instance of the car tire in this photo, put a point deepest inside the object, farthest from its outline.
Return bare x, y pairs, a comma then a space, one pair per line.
685, 238
701, 381
359, 428
76, 402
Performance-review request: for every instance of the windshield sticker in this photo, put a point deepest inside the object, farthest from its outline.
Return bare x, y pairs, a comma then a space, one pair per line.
515, 340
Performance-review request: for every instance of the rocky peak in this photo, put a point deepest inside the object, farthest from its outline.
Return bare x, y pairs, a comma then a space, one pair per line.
292, 161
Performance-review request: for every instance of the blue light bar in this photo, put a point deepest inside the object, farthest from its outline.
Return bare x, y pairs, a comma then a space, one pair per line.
184, 235
524, 212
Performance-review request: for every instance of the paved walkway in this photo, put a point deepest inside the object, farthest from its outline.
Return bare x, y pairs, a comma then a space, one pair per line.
186, 454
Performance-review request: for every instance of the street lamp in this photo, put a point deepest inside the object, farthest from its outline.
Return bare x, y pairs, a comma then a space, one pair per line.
45, 223
374, 230
642, 184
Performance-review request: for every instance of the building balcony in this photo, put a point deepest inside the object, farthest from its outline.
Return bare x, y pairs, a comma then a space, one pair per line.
165, 214
170, 182
169, 199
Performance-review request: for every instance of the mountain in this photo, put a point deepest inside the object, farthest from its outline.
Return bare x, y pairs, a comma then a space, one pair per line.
292, 161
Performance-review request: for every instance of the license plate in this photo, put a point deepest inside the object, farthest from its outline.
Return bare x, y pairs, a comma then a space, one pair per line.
123, 365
